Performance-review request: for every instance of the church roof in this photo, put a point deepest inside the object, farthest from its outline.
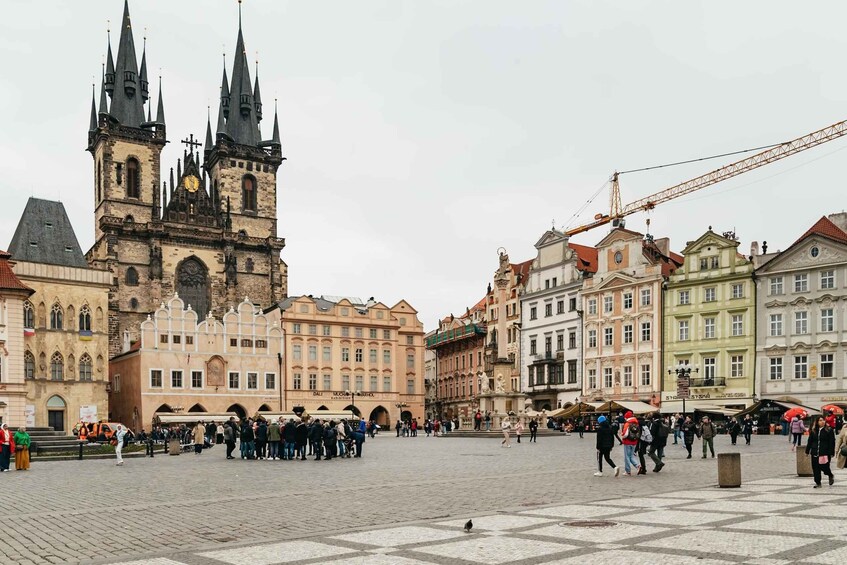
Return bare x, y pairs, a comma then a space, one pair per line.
45, 235
127, 100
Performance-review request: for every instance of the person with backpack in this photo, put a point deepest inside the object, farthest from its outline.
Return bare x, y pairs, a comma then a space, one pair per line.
659, 429
644, 441
707, 431
488, 421
477, 421
798, 427
689, 430
604, 442
631, 434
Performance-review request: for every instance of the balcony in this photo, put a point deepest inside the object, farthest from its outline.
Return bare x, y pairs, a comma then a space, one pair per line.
546, 357
703, 382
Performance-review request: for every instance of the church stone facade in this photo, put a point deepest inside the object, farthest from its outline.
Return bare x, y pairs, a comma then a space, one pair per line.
208, 233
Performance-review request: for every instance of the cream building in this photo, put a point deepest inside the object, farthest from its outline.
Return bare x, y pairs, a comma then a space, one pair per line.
13, 294
66, 332
622, 318
186, 364
344, 354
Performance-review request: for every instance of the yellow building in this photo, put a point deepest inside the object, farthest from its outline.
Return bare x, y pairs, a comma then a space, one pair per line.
344, 354
66, 321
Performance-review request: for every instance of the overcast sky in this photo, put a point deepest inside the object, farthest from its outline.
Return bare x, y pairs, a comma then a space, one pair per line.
423, 135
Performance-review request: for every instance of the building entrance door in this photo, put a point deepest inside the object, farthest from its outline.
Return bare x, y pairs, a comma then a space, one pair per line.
56, 420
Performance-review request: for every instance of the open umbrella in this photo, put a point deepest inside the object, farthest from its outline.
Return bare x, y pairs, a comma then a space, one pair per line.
837, 410
791, 412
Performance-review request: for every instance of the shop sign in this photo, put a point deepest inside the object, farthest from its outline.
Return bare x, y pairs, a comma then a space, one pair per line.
29, 412
88, 413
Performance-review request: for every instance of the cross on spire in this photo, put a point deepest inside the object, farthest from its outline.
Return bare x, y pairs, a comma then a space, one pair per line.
190, 143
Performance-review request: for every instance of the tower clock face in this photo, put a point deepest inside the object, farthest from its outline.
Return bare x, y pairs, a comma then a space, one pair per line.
191, 183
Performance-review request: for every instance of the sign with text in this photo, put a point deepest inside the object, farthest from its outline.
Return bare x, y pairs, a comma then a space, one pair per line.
683, 385
29, 412
88, 413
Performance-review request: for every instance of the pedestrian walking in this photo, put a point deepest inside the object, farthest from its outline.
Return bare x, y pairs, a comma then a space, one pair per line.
689, 430
676, 424
488, 421
734, 428
604, 443
644, 442
707, 431
533, 430
477, 421
841, 448
7, 444
747, 428
118, 442
820, 448
199, 437
22, 442
505, 426
229, 439
631, 434
518, 430
659, 429
798, 428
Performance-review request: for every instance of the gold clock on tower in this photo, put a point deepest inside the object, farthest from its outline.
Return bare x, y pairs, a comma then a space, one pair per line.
191, 183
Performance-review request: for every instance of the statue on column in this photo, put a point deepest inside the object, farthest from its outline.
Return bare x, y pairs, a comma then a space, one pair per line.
483, 386
500, 385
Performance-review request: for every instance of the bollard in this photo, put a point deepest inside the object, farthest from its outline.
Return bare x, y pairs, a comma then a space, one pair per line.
80, 451
804, 463
729, 470
174, 446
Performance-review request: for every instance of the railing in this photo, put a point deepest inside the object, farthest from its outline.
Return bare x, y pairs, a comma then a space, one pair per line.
701, 382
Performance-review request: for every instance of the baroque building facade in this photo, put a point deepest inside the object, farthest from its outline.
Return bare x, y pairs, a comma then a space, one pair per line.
13, 295
188, 363
65, 321
347, 355
622, 320
551, 323
210, 233
710, 325
802, 317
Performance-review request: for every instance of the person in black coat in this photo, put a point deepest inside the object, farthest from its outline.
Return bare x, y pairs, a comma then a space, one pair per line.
747, 428
605, 442
247, 440
734, 429
533, 430
301, 437
821, 448
289, 439
659, 429
689, 430
316, 436
331, 440
261, 439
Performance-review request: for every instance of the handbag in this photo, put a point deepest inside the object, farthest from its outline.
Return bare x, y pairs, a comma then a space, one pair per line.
19, 448
843, 450
113, 442
823, 459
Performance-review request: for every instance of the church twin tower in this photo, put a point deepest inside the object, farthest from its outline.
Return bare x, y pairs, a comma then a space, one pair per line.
210, 234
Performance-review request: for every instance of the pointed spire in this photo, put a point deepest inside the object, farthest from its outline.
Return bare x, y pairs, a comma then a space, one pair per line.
242, 123
257, 97
149, 114
160, 108
165, 196
275, 138
179, 169
127, 107
221, 129
225, 92
142, 74
104, 104
208, 145
92, 124
109, 79
172, 180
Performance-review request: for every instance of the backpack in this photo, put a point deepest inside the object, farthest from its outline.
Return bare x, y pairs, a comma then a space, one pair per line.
664, 430
646, 436
633, 431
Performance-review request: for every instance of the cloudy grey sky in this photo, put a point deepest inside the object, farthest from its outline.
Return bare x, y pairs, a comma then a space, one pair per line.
423, 135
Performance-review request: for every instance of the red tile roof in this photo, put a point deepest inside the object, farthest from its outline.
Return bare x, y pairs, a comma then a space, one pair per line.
522, 270
8, 279
826, 228
587, 257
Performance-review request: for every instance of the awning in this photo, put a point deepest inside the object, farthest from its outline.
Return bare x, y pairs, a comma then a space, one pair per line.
192, 417
572, 411
776, 406
635, 406
672, 406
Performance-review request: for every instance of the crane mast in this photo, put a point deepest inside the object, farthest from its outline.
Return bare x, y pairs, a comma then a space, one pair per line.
766, 157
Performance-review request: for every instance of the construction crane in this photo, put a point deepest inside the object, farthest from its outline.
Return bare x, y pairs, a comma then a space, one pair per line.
781, 151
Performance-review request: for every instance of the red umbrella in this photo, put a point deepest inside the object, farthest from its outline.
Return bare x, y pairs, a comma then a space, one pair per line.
837, 410
791, 412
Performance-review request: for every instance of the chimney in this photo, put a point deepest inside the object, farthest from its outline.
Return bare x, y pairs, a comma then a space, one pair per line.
663, 244
764, 248
839, 219
754, 248
126, 341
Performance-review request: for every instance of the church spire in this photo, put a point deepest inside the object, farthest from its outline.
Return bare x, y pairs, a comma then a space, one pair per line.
160, 108
225, 92
242, 123
209, 143
257, 97
109, 76
92, 124
104, 104
275, 140
142, 74
221, 128
128, 93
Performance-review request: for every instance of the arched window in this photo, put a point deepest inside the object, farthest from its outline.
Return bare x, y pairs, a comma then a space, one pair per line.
248, 265
132, 178
192, 284
57, 367
29, 315
56, 315
133, 303
29, 365
85, 319
132, 277
85, 368
248, 193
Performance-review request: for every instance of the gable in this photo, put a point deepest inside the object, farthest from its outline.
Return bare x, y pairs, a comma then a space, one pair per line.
799, 257
620, 234
405, 306
616, 280
707, 239
550, 237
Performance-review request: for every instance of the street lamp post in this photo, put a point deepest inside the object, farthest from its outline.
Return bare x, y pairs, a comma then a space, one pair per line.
682, 372
400, 406
353, 394
579, 416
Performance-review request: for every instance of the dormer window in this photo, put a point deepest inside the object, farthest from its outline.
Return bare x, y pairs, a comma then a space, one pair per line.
245, 104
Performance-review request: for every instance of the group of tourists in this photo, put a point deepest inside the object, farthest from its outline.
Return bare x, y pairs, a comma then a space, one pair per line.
17, 443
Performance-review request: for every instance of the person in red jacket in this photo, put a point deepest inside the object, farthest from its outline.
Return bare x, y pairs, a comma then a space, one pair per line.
830, 419
630, 436
7, 447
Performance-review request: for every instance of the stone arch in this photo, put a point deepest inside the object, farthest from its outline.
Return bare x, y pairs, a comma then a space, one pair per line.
380, 416
249, 189
42, 315
57, 409
164, 408
85, 367
353, 409
265, 408
322, 407
197, 408
192, 284
238, 409
131, 278
406, 416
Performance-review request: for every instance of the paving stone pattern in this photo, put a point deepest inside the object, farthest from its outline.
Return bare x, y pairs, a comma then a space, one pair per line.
404, 503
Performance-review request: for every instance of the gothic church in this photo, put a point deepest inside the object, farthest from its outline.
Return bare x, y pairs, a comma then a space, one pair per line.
208, 234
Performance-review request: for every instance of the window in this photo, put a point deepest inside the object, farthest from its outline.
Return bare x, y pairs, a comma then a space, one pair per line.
327, 331
683, 330
571, 371
386, 356
249, 266
737, 324
131, 278
533, 313
827, 320
297, 381
410, 339
410, 361
627, 301
560, 342
592, 306
592, 338
313, 329
345, 382
297, 352
776, 324
386, 384
827, 279
801, 283
736, 366
295, 328
235, 380
252, 381
359, 355
776, 286
801, 367
56, 315
29, 315
57, 367
709, 294
709, 364
345, 331
645, 297
410, 386
571, 340
801, 322
708, 328
176, 379
132, 178
560, 307
117, 383
548, 345
704, 263
313, 381
260, 343
607, 336
327, 353
155, 378
714, 262
684, 297
548, 309
29, 365
313, 353
827, 366
359, 332
571, 304
270, 381
196, 379
248, 193
372, 333
374, 383
592, 378
327, 379
775, 373
608, 304
360, 382
372, 356
345, 354
738, 291
607, 377
645, 331
85, 368
627, 333
177, 339
133, 303
645, 375
627, 375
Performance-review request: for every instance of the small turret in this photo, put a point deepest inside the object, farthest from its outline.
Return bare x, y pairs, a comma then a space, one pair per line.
160, 108
92, 124
225, 93
109, 77
142, 74
275, 139
257, 97
207, 146
103, 109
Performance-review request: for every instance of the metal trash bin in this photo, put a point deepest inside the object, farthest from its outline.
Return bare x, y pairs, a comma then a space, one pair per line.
729, 470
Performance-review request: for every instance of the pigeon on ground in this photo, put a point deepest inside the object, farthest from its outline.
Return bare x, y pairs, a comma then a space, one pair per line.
468, 526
